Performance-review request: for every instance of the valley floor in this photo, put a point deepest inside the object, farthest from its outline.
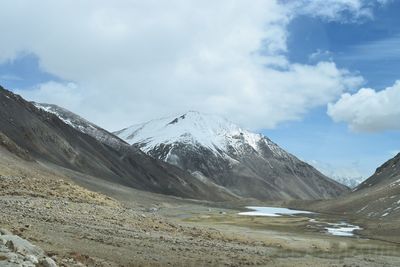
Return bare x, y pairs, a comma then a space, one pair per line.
78, 227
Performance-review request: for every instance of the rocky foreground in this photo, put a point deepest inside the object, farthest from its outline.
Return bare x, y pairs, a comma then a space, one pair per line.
16, 251
78, 227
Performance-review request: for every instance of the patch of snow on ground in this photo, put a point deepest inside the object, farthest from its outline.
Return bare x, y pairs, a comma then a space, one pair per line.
342, 229
272, 211
362, 209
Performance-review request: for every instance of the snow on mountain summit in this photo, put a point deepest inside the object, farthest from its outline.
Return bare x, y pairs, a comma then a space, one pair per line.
194, 128
219, 152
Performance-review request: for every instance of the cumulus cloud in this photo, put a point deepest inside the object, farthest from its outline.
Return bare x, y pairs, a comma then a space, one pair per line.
369, 110
130, 61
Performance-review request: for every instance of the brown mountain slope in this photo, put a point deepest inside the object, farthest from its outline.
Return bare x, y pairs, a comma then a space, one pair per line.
374, 204
378, 197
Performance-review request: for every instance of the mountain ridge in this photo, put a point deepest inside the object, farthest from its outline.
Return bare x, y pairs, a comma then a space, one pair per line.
82, 125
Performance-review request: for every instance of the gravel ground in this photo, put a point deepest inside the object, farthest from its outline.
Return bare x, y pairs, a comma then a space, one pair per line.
87, 227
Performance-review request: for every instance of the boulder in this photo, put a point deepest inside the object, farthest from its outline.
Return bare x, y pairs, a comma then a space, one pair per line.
21, 246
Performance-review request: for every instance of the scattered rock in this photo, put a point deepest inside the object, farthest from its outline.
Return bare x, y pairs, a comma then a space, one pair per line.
5, 232
32, 259
47, 262
22, 246
153, 209
16, 251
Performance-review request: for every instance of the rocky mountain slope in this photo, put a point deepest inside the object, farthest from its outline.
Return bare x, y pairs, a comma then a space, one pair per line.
221, 152
377, 197
83, 125
374, 203
35, 134
387, 174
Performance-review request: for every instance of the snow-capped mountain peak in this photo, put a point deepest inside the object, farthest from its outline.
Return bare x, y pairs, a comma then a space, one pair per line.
219, 152
198, 129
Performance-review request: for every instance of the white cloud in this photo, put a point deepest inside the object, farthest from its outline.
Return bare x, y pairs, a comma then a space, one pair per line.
369, 110
132, 61
319, 55
55, 92
337, 10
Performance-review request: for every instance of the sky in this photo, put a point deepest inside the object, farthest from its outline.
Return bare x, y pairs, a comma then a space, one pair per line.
320, 78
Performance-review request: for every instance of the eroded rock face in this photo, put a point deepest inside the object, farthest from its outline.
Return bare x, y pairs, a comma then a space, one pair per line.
16, 251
